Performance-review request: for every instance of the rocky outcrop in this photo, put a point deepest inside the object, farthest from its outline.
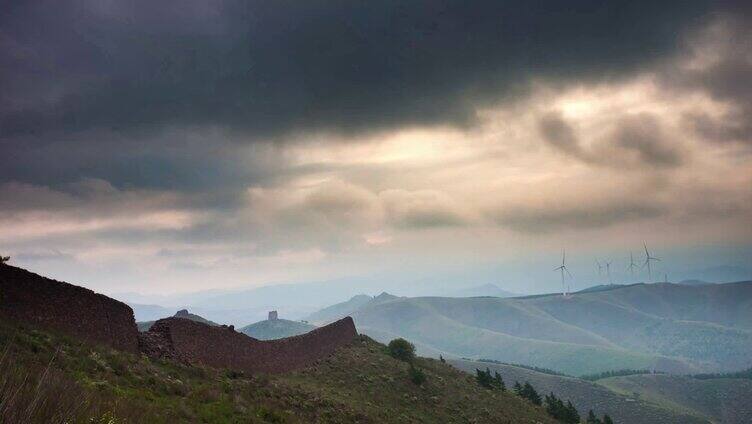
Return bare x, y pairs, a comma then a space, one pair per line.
31, 299
223, 347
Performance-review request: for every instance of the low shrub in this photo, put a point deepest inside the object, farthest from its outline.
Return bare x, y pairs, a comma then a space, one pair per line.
417, 375
402, 349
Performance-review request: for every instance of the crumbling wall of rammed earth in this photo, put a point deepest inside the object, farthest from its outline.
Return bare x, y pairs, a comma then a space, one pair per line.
41, 302
223, 347
35, 300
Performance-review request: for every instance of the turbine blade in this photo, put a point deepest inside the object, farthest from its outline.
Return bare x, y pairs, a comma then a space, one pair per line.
646, 249
570, 274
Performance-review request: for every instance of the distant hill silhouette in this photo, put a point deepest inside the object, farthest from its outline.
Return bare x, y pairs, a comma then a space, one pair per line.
339, 310
602, 287
183, 313
483, 290
694, 282
276, 329
150, 312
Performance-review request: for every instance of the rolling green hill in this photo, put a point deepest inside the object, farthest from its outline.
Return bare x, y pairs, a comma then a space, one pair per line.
49, 378
667, 327
276, 329
426, 323
722, 400
623, 407
340, 310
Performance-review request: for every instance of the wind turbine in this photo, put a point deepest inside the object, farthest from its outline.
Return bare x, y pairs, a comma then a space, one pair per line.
632, 265
563, 268
600, 267
608, 271
649, 258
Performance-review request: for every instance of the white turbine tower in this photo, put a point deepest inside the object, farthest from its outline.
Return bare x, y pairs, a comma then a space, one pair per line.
563, 268
608, 271
600, 267
649, 258
632, 265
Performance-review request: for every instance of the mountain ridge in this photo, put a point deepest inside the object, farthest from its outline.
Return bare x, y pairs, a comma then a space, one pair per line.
668, 327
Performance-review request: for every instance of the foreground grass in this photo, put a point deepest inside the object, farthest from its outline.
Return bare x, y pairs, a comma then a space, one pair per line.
51, 378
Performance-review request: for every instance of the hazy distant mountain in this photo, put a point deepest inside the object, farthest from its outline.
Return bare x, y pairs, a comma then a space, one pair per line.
722, 273
304, 296
150, 312
183, 313
669, 327
341, 310
298, 300
276, 329
483, 290
622, 406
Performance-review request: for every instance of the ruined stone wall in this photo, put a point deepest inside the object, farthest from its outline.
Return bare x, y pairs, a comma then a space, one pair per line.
35, 300
222, 347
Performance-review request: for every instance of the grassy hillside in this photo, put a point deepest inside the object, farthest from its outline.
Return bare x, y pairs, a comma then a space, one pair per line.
341, 310
276, 329
430, 322
55, 378
667, 327
722, 400
620, 316
586, 395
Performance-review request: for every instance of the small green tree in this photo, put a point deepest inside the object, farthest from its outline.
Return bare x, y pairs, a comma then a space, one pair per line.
529, 393
571, 415
607, 419
4, 259
402, 349
592, 419
441, 358
554, 406
498, 382
484, 378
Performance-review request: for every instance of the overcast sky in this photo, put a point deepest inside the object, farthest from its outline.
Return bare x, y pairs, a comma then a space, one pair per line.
171, 146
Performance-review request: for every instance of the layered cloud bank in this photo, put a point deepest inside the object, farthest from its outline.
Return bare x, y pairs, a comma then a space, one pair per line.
171, 148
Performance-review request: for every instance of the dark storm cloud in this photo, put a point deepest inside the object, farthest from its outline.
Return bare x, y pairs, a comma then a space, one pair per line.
557, 132
727, 81
723, 73
643, 137
634, 141
543, 220
268, 67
